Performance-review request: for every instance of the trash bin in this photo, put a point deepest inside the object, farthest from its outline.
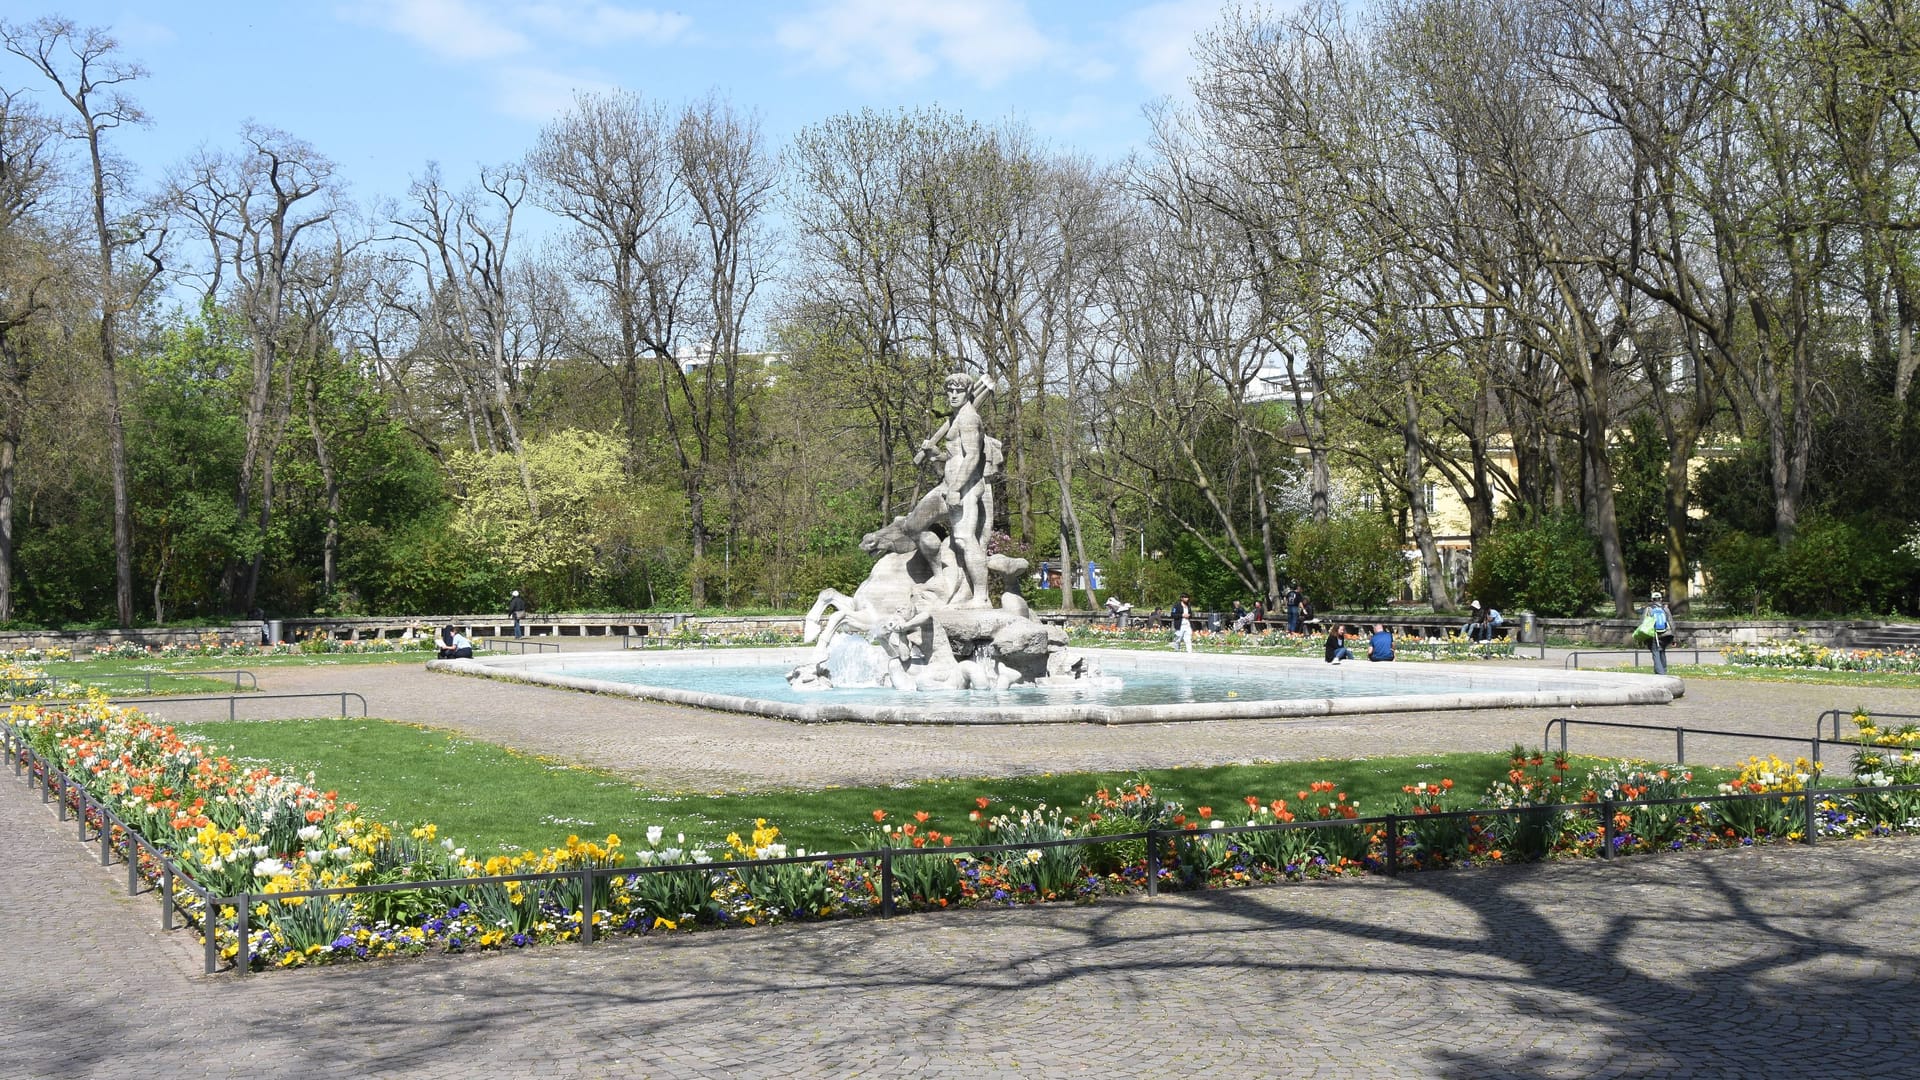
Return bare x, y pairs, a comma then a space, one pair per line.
1213, 621
1529, 629
273, 631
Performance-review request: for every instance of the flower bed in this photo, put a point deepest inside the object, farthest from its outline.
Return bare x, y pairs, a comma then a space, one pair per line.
1806, 655
1281, 643
248, 833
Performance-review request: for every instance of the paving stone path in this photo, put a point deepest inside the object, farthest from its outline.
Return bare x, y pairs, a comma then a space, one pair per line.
1783, 961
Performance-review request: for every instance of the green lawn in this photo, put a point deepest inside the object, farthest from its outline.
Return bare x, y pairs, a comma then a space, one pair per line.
492, 799
1889, 680
175, 675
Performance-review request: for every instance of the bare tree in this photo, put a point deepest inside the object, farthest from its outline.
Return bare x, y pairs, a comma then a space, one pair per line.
462, 247
268, 216
86, 68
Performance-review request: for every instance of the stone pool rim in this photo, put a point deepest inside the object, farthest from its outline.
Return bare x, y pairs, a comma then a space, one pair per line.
1483, 687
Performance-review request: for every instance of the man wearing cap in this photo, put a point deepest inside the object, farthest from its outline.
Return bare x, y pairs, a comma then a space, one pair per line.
517, 607
1660, 623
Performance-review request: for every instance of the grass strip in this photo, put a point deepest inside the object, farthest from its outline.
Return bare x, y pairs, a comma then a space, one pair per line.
1886, 680
494, 800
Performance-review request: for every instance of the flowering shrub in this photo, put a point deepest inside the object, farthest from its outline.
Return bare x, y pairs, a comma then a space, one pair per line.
690, 637
1749, 819
34, 654
1807, 655
1432, 840
1533, 788
20, 681
1643, 826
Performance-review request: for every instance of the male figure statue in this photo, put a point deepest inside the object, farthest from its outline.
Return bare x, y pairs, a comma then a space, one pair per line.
963, 484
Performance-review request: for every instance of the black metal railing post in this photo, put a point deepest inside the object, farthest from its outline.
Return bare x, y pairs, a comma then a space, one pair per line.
1679, 746
587, 907
166, 893
1606, 828
886, 883
243, 960
210, 930
1393, 845
1153, 862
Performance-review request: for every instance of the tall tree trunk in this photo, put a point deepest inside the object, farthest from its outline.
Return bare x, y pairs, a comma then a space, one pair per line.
1439, 596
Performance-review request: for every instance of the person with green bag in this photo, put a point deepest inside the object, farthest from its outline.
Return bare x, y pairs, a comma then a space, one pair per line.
1655, 631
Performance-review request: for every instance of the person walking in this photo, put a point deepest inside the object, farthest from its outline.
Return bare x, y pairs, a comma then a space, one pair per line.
517, 607
1182, 624
1656, 631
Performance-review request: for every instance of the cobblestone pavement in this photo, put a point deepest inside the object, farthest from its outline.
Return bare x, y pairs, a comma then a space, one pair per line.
1784, 961
1771, 962
690, 749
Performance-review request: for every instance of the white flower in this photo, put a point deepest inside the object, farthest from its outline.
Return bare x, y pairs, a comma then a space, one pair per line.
654, 833
269, 868
309, 834
314, 856
1216, 823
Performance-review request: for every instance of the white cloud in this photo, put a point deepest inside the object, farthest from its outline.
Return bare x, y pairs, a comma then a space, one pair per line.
539, 94
876, 42
455, 29
597, 23
1160, 36
493, 29
138, 33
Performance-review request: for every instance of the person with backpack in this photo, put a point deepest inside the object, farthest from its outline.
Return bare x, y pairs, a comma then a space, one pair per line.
1655, 631
517, 608
1182, 624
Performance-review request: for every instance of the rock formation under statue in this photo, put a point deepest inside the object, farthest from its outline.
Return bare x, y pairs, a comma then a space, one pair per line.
924, 618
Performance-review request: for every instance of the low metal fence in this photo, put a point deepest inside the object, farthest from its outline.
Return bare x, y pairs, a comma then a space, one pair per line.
230, 699
1680, 734
518, 644
146, 678
1573, 658
1839, 715
57, 786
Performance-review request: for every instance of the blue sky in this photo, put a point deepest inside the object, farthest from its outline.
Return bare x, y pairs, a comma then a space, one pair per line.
384, 86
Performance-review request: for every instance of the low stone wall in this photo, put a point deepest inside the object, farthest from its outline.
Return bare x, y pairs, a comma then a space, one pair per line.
614, 624
82, 641
1713, 634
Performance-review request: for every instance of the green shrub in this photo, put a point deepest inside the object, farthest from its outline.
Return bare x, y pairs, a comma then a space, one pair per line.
1351, 561
1836, 567
1738, 567
1550, 566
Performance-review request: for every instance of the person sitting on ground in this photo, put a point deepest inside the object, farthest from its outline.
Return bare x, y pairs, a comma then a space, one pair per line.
1380, 645
1337, 645
454, 645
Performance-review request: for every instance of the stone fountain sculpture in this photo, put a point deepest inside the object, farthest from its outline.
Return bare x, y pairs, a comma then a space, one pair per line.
923, 619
